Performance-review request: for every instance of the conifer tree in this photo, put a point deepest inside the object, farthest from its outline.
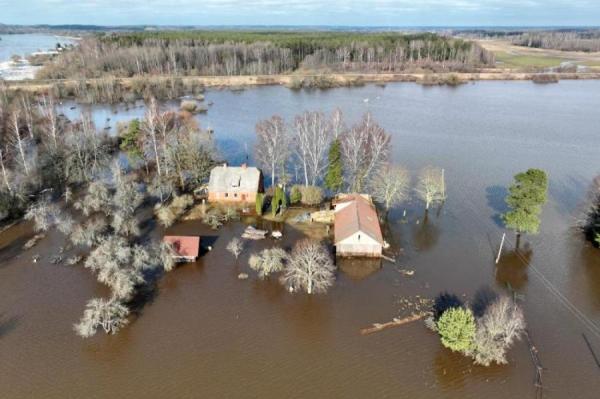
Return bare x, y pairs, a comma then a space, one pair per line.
334, 180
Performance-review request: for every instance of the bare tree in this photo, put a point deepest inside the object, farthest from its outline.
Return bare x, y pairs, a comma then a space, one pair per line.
166, 255
501, 325
337, 124
27, 109
150, 129
97, 198
365, 148
310, 268
268, 261
431, 186
86, 149
111, 315
272, 145
312, 138
119, 265
390, 185
44, 215
50, 127
235, 246
4, 170
18, 141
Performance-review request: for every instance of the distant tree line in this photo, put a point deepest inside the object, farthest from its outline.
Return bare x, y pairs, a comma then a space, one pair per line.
261, 53
587, 41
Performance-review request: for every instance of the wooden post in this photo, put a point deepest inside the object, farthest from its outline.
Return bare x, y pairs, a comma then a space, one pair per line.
500, 250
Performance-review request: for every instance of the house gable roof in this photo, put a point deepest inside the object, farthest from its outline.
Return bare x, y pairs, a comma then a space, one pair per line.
358, 215
234, 179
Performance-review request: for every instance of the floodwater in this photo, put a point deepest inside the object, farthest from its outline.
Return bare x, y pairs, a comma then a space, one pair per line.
207, 334
27, 43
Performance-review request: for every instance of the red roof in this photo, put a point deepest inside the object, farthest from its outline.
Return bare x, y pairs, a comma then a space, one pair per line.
358, 216
185, 246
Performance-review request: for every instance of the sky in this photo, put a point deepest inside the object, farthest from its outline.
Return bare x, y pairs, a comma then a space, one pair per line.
304, 12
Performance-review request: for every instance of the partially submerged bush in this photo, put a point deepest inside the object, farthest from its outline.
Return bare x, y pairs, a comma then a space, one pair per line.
213, 218
268, 261
485, 335
235, 246
189, 106
456, 327
502, 324
111, 315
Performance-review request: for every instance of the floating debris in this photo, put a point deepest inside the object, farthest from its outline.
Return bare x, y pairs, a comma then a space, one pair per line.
277, 234
35, 258
407, 272
56, 259
73, 260
33, 241
252, 233
243, 276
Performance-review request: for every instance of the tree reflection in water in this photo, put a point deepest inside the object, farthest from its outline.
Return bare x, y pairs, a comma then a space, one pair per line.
512, 267
425, 233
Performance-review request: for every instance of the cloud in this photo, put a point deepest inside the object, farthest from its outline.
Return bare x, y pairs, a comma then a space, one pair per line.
302, 12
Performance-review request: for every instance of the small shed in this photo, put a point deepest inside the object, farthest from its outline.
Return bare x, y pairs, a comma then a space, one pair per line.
356, 227
237, 184
186, 248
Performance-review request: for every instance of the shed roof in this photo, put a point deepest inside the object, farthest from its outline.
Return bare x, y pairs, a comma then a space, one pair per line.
234, 179
185, 246
358, 216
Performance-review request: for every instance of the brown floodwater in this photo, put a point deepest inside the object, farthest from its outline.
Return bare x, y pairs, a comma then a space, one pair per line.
204, 333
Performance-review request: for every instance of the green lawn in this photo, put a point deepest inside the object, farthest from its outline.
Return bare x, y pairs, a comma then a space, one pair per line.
520, 61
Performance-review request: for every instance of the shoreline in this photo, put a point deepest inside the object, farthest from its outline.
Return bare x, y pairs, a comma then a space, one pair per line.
338, 79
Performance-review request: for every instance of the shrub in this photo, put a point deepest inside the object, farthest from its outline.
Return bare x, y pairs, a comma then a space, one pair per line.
189, 106
213, 218
456, 327
296, 194
501, 325
270, 260
235, 246
312, 195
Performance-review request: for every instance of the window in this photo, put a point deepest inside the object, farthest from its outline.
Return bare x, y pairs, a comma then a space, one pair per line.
226, 195
359, 237
235, 195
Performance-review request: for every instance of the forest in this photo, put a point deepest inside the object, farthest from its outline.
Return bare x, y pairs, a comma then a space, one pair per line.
228, 53
586, 41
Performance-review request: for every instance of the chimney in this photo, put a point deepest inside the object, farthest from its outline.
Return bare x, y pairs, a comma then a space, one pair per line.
224, 164
244, 166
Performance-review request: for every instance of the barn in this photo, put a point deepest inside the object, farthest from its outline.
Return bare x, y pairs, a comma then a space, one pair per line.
234, 184
356, 227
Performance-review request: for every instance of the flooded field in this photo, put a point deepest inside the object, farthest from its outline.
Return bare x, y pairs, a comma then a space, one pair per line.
207, 334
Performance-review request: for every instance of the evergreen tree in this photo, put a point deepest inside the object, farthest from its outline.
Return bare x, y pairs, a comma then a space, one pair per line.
279, 200
260, 197
129, 140
526, 197
334, 180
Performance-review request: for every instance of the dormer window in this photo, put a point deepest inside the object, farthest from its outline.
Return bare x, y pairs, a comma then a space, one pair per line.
236, 181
